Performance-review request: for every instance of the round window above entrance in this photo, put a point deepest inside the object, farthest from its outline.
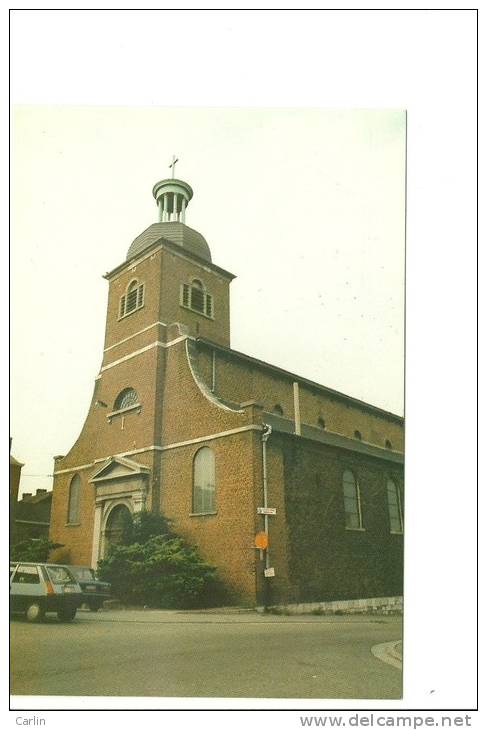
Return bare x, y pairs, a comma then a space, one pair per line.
126, 399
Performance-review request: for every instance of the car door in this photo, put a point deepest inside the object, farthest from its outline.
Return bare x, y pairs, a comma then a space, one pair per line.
13, 597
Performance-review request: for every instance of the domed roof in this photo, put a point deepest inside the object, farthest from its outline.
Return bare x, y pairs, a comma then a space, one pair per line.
176, 232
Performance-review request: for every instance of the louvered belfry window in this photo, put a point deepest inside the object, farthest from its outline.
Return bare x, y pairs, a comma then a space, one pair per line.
185, 297
209, 305
140, 295
133, 299
195, 297
122, 306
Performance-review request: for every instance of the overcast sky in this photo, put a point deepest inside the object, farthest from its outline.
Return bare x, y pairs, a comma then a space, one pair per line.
305, 206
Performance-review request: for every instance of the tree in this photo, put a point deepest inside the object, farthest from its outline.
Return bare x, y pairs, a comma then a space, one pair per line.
156, 568
33, 550
144, 525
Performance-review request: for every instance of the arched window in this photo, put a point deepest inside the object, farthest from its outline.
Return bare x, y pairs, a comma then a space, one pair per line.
132, 299
388, 444
194, 296
394, 505
127, 398
204, 481
351, 499
74, 499
321, 422
357, 435
197, 296
278, 410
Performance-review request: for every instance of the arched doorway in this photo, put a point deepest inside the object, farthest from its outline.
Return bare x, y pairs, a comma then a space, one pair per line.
117, 521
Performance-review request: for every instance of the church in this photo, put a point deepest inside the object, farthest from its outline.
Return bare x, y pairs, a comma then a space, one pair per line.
291, 489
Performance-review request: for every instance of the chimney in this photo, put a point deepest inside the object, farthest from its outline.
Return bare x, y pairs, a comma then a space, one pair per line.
40, 491
26, 496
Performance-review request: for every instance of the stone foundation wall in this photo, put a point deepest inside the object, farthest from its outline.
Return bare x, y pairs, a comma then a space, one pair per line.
383, 606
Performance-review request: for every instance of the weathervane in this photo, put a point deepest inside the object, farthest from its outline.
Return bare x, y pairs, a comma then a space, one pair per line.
173, 164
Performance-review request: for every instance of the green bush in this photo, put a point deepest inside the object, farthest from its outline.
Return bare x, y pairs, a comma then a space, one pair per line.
33, 550
156, 568
163, 572
142, 526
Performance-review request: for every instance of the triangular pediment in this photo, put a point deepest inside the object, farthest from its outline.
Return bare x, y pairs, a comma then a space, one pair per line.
119, 467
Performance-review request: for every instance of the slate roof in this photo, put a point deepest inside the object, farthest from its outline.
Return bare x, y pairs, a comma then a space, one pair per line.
152, 241
179, 233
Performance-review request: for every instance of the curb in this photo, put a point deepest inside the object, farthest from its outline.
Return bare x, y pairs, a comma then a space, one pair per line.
379, 606
389, 653
395, 651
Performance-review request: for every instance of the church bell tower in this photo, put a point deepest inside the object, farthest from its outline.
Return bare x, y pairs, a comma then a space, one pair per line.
169, 277
166, 294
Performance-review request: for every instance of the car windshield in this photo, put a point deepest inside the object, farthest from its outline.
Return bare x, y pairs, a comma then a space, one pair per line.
59, 575
84, 573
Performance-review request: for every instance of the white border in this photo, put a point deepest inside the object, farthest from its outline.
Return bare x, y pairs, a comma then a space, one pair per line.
424, 61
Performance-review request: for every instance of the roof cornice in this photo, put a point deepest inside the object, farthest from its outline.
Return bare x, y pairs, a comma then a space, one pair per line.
286, 427
173, 248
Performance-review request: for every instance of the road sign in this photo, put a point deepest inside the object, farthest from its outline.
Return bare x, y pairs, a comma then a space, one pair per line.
266, 510
261, 540
269, 572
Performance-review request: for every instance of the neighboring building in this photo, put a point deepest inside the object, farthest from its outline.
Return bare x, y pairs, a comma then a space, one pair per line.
179, 422
15, 468
29, 516
32, 515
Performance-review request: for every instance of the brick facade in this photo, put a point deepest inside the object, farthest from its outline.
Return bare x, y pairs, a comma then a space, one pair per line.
327, 561
193, 391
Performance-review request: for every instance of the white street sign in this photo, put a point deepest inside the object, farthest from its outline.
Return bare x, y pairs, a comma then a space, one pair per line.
266, 510
269, 572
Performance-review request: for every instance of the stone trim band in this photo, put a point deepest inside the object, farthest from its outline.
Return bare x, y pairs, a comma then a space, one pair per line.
168, 447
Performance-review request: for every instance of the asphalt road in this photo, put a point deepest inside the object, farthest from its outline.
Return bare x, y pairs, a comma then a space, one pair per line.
190, 654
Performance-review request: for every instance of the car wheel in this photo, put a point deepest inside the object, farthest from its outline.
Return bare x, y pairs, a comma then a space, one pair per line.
66, 614
34, 612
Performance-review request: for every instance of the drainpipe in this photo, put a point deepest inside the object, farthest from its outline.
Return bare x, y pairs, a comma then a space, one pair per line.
267, 430
213, 371
297, 413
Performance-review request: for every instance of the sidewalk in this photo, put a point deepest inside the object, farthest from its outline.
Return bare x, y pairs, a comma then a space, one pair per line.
390, 653
396, 651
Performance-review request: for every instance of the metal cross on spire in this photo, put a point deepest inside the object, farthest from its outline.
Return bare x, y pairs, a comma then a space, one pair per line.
173, 164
